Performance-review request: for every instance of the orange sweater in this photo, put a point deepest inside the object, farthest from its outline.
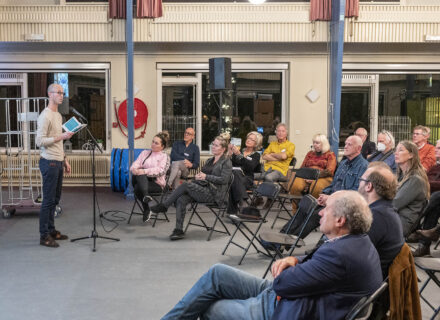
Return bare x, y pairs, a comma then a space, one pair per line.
427, 156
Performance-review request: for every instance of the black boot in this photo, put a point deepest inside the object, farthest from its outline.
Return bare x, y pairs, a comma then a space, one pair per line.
421, 251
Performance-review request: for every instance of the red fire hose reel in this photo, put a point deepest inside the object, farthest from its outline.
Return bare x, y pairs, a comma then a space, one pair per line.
140, 116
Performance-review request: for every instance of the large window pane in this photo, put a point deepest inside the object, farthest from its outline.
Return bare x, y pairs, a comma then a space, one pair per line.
407, 100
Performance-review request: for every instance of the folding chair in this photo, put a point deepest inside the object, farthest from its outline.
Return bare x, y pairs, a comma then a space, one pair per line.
307, 205
304, 173
362, 310
155, 196
417, 224
265, 189
431, 266
213, 207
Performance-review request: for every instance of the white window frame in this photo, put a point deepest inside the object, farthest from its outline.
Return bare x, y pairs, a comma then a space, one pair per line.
198, 69
72, 68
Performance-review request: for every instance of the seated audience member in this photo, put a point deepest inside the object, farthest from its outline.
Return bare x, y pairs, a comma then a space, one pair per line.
430, 232
385, 149
278, 155
185, 155
426, 151
378, 186
209, 185
149, 171
321, 158
322, 285
412, 187
368, 147
346, 178
244, 165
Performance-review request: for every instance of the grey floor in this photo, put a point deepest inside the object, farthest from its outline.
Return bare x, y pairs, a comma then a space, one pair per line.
140, 277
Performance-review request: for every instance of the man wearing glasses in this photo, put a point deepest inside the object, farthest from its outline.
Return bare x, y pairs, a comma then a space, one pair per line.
185, 155
426, 151
52, 163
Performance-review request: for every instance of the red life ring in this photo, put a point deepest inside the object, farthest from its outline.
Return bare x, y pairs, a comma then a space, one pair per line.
140, 113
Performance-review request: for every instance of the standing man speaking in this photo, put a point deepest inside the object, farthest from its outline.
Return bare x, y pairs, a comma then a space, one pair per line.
52, 162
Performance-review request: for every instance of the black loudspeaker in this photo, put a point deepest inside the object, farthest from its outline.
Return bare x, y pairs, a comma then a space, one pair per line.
220, 74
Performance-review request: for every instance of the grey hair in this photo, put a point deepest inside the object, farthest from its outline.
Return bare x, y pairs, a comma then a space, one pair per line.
351, 205
389, 136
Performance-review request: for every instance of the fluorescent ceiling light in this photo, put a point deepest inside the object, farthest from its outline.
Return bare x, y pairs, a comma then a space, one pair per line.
257, 1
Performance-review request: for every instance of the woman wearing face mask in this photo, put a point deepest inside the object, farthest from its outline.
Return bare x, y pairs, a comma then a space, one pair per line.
385, 150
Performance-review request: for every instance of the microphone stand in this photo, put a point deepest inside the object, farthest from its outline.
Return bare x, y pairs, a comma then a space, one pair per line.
94, 235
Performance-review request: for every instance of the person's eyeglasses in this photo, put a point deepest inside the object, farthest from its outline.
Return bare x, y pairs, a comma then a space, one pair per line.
188, 133
59, 92
364, 180
417, 134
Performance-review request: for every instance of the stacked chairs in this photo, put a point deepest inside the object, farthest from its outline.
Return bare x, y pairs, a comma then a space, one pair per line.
215, 209
265, 189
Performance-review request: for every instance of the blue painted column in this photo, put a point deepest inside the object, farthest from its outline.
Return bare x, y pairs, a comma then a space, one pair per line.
336, 54
130, 100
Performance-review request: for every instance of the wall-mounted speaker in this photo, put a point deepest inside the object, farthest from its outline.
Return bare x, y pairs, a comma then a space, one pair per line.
220, 74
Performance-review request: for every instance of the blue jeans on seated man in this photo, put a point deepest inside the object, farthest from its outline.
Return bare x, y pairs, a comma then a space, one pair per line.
225, 293
52, 173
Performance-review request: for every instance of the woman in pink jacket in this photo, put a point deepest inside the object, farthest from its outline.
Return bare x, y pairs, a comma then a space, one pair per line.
149, 171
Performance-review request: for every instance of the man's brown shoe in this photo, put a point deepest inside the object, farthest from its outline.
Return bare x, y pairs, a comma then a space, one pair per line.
48, 241
413, 238
421, 251
431, 234
56, 235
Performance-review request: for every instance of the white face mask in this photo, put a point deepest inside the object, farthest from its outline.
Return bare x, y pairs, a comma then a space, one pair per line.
381, 147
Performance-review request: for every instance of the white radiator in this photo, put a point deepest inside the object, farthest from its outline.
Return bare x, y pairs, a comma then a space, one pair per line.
81, 168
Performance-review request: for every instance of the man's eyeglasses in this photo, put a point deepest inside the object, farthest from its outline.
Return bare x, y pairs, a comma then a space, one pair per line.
188, 133
59, 92
364, 180
417, 134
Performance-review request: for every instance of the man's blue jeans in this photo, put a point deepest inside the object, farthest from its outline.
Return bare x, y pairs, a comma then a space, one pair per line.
225, 293
52, 173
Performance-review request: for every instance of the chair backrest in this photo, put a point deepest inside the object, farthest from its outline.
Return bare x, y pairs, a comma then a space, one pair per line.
307, 173
268, 189
364, 307
307, 204
416, 224
224, 202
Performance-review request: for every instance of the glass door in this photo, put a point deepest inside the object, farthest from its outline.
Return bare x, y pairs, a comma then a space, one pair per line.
359, 97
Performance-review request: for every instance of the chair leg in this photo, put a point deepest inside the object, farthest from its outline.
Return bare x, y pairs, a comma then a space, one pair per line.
217, 218
132, 210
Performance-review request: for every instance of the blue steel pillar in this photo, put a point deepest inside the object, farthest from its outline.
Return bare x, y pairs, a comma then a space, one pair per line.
336, 54
130, 101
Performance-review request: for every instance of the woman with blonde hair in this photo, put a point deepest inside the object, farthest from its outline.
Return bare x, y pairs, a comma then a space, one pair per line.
210, 185
244, 163
413, 185
321, 158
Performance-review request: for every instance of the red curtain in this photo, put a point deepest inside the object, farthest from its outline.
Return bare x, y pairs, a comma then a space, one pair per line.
322, 9
149, 9
145, 9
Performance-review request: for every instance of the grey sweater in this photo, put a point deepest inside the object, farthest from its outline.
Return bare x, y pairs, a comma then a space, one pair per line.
409, 201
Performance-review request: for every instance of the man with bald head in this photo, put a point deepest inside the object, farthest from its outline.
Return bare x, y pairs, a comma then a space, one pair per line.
346, 178
53, 161
368, 147
378, 187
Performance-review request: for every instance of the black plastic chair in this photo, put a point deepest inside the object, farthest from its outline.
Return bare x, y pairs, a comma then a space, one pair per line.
285, 197
278, 240
363, 308
265, 189
418, 223
431, 266
158, 198
214, 208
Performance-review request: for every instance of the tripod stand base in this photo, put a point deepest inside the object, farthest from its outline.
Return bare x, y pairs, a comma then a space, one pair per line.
94, 236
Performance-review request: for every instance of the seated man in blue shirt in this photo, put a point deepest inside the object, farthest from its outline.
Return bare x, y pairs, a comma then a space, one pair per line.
346, 178
322, 285
185, 155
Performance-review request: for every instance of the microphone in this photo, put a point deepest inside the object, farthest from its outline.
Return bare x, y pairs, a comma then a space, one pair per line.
76, 112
